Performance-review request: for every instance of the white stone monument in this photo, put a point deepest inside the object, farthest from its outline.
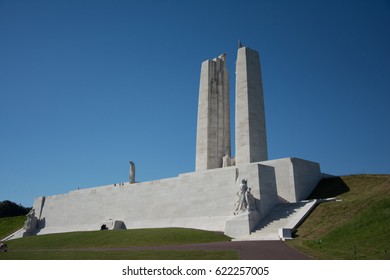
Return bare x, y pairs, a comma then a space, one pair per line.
204, 199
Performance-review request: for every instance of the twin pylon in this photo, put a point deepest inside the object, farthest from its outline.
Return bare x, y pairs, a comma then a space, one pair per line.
213, 143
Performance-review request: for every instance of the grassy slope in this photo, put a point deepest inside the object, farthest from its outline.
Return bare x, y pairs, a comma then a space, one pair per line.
98, 245
354, 228
10, 225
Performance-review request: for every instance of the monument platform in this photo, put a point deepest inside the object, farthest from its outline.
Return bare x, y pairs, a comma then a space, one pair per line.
200, 200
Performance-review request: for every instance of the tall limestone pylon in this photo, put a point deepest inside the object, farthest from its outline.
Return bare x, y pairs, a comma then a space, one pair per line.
213, 130
251, 138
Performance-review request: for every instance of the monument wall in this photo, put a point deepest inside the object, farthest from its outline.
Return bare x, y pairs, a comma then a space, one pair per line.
202, 200
295, 178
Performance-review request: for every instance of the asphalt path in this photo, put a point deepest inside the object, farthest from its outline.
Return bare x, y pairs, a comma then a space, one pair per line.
249, 250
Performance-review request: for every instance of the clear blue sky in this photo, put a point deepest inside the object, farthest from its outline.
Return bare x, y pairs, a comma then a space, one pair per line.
87, 86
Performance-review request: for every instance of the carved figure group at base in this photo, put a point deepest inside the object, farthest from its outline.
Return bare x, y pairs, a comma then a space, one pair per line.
3, 247
246, 201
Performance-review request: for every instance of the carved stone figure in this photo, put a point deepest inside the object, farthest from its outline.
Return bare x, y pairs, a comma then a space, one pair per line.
242, 203
246, 200
227, 160
3, 246
222, 56
132, 173
28, 224
251, 200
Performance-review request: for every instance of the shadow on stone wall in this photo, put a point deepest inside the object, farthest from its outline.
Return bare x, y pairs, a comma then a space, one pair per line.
329, 187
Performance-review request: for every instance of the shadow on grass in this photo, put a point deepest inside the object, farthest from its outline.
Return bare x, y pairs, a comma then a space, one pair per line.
329, 187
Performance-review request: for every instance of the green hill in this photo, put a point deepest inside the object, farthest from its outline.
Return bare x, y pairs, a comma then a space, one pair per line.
9, 225
355, 227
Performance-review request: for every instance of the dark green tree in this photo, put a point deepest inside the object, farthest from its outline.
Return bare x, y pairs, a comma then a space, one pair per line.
11, 209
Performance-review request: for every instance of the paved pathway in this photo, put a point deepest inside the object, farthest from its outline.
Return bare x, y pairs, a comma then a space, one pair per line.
249, 250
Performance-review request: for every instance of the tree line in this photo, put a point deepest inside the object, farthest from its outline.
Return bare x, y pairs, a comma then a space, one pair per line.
11, 209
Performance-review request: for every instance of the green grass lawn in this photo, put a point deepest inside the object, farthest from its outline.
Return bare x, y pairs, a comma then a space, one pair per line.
355, 227
116, 239
10, 224
96, 245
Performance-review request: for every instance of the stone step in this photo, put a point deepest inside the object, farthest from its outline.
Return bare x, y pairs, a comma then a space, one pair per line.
281, 216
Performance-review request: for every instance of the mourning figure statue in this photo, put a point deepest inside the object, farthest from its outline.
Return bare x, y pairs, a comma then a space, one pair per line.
246, 201
28, 224
242, 203
250, 200
227, 160
132, 173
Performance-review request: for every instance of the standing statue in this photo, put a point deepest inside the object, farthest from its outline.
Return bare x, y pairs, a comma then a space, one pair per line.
246, 200
132, 173
28, 224
242, 203
251, 200
227, 160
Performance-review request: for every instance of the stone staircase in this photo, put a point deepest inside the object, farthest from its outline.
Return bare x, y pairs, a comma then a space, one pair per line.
282, 216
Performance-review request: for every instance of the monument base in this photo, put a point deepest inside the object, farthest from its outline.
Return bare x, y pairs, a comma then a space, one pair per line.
242, 224
201, 200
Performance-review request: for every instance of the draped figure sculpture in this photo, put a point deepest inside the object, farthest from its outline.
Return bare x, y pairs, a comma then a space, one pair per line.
242, 203
246, 201
132, 173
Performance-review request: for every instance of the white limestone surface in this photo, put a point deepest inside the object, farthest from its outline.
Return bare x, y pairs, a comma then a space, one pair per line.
201, 200
251, 138
295, 178
213, 127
